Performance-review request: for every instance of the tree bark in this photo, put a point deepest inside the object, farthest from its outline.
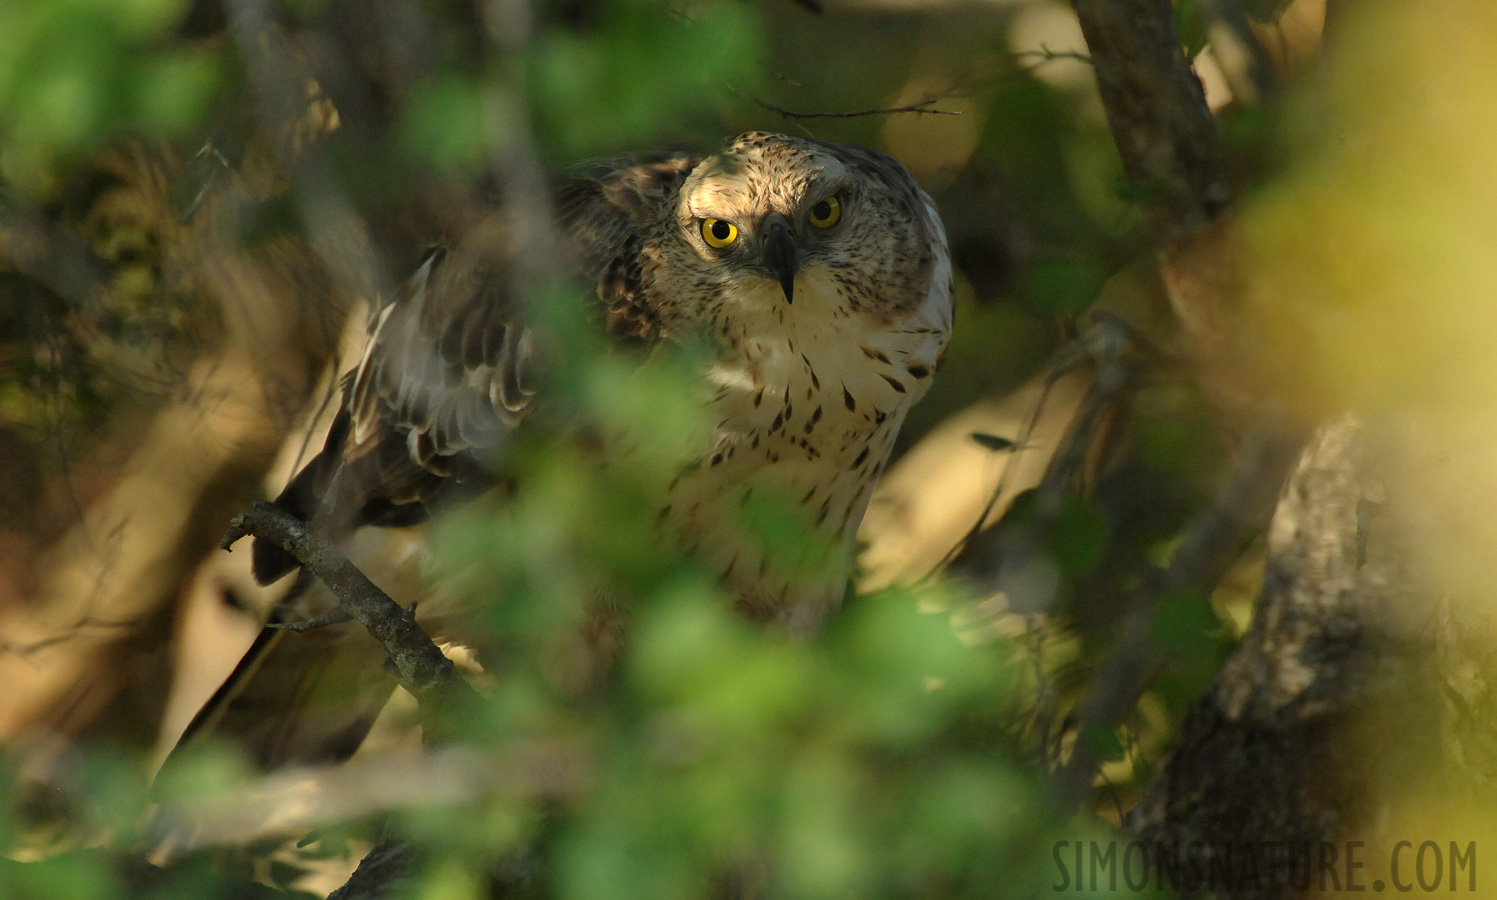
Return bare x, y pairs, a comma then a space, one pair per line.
1326, 705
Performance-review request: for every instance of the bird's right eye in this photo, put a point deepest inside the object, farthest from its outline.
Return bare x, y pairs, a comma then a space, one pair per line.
718, 233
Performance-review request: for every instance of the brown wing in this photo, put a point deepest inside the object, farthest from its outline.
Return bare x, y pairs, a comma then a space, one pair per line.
610, 214
448, 370
298, 698
441, 381
450, 364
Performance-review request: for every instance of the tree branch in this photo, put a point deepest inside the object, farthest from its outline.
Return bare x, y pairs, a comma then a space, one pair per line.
1322, 714
1167, 141
1156, 109
419, 665
1215, 540
921, 107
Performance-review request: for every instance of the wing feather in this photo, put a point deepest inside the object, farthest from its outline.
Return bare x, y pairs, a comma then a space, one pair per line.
610, 213
449, 368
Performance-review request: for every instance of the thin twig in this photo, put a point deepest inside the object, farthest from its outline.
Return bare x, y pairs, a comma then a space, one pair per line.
1214, 541
335, 616
920, 108
1045, 54
1107, 346
1022, 442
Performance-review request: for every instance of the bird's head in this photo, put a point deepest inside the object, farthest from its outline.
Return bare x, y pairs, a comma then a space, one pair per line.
784, 209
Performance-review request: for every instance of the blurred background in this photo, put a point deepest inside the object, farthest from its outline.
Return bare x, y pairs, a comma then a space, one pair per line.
201, 199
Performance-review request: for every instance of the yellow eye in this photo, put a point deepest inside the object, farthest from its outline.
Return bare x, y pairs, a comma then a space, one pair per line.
826, 213
718, 233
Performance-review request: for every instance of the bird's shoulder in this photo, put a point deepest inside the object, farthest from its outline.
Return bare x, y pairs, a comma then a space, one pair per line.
613, 216
449, 361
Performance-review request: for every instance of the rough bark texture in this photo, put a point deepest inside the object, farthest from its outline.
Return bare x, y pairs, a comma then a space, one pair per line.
1166, 138
1156, 109
1284, 745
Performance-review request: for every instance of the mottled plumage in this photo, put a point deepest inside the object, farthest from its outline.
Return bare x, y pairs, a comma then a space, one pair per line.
810, 388
825, 315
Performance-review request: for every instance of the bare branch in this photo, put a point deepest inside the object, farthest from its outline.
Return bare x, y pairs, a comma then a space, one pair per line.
1167, 140
922, 107
420, 667
1045, 54
1156, 109
335, 616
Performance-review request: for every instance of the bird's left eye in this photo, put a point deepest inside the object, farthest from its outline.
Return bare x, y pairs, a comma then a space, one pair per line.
826, 213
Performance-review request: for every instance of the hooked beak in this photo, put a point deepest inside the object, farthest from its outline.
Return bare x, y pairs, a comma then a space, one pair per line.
781, 256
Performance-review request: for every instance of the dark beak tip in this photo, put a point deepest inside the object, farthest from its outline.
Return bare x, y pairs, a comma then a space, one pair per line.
783, 259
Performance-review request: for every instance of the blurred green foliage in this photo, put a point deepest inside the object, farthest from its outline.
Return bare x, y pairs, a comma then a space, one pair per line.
901, 754
642, 74
1191, 23
77, 72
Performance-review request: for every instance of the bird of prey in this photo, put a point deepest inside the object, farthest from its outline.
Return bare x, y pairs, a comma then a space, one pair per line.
816, 274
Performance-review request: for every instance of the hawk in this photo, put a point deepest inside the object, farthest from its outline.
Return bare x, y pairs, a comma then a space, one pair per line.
817, 276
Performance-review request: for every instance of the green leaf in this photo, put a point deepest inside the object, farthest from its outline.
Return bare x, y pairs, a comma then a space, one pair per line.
1080, 538
1068, 287
174, 90
1185, 626
1191, 25
442, 125
646, 72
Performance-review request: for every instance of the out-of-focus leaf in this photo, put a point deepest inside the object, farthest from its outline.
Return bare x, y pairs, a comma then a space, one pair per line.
645, 74
1183, 627
824, 846
68, 876
443, 125
901, 671
174, 91
1190, 24
1069, 287
1079, 539
73, 73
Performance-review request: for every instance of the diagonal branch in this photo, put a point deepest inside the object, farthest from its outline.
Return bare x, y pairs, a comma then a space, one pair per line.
1156, 109
1312, 729
1214, 541
1167, 141
419, 665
